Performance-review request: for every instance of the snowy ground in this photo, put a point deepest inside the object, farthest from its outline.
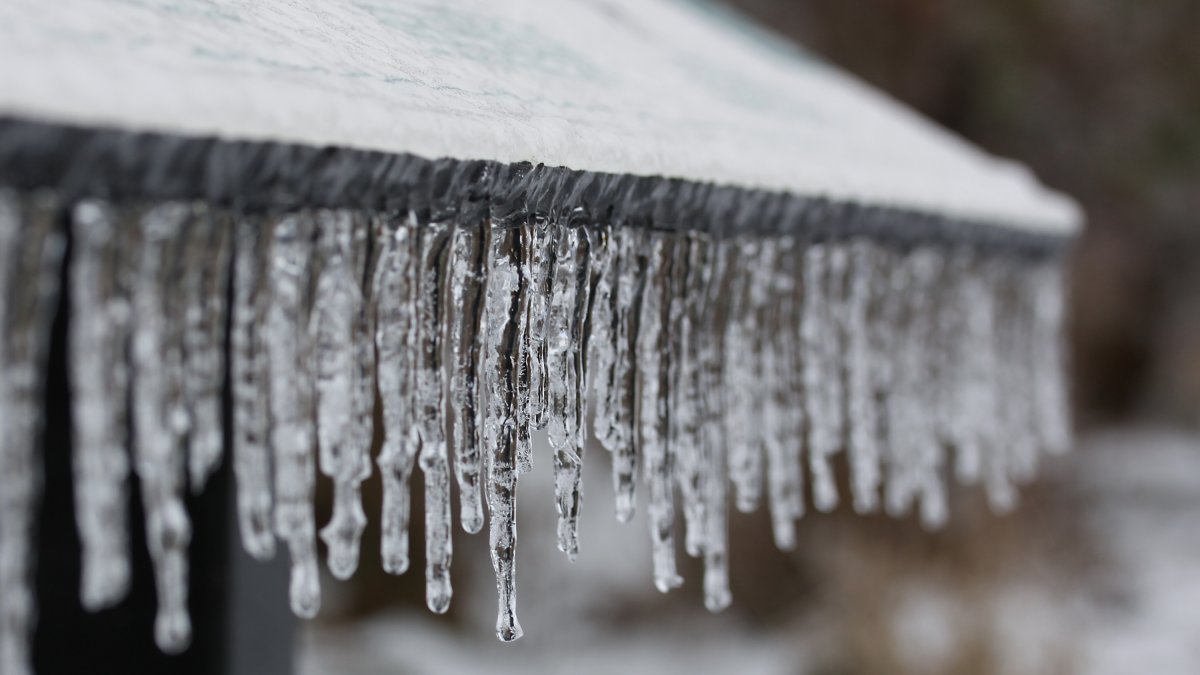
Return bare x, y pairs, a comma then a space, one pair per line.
1146, 494
1133, 608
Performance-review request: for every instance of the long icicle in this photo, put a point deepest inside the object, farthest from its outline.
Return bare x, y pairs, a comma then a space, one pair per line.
31, 251
432, 281
715, 362
499, 383
395, 339
562, 371
157, 442
468, 289
205, 277
619, 432
97, 343
653, 419
292, 403
336, 317
251, 405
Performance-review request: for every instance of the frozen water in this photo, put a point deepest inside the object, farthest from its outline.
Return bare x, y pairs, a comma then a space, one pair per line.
394, 334
717, 369
99, 389
31, 250
291, 391
248, 372
433, 244
344, 371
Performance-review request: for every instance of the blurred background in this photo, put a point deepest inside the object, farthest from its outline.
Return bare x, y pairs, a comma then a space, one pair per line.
1098, 571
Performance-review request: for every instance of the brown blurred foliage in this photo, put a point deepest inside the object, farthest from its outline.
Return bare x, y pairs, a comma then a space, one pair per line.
1102, 99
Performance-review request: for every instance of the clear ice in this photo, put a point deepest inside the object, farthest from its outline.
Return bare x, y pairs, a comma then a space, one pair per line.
718, 369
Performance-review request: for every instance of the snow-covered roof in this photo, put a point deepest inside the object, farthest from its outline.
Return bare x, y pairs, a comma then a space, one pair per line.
645, 87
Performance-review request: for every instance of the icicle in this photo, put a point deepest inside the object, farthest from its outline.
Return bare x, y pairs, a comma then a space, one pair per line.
205, 277
861, 361
292, 403
688, 285
617, 430
536, 267
980, 450
336, 314
653, 421
362, 429
596, 281
537, 271
917, 363
156, 434
468, 290
563, 327
1017, 414
248, 370
31, 250
432, 281
602, 331
905, 408
572, 468
710, 315
819, 337
745, 457
962, 395
713, 364
395, 340
787, 373
1049, 365
99, 386
775, 413
499, 383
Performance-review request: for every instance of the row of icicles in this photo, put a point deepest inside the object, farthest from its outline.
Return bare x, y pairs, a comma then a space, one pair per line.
707, 366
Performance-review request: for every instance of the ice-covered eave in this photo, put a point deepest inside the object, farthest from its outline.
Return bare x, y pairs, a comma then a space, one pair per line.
642, 88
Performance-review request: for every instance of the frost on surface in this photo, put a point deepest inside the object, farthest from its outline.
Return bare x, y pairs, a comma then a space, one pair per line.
719, 369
